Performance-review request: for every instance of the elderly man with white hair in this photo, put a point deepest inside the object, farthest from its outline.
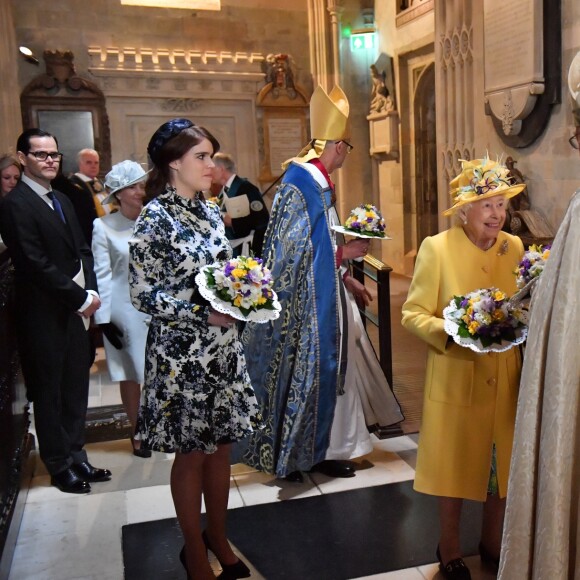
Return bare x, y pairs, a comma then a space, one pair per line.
87, 178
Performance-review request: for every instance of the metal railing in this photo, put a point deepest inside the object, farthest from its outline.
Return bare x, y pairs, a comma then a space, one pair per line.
375, 270
380, 273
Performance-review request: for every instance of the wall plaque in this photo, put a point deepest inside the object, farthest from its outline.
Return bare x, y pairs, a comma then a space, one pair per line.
286, 137
522, 73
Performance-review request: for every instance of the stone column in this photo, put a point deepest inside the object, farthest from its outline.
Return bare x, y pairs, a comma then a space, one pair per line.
11, 125
455, 88
319, 45
335, 11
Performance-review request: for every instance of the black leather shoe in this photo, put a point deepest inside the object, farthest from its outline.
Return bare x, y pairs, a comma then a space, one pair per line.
89, 473
454, 569
295, 477
334, 468
487, 559
69, 482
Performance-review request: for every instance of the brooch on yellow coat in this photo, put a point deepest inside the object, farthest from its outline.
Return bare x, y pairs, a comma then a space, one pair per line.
503, 248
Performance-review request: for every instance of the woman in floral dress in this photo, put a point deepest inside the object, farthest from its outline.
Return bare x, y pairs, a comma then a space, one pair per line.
197, 398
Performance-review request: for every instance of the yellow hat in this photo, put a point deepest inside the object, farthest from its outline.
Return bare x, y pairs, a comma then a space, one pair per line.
328, 122
480, 179
574, 87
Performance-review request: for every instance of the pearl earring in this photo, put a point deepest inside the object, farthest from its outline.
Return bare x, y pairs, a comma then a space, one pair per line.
464, 221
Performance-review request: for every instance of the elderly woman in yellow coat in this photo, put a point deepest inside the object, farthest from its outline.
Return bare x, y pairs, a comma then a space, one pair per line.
470, 398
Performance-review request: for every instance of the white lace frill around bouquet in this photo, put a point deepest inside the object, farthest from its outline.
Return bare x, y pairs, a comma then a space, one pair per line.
260, 316
451, 328
347, 232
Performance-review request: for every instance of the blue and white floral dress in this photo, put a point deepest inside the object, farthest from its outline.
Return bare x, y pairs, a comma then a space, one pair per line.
197, 391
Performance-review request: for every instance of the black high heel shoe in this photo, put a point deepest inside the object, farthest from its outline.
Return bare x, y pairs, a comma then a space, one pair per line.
454, 569
487, 559
231, 571
143, 453
184, 562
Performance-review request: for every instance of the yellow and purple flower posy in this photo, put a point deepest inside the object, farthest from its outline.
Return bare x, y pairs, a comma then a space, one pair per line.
532, 264
243, 282
366, 219
487, 315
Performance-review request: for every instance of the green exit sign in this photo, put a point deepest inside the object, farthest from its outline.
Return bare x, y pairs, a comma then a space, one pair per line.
362, 41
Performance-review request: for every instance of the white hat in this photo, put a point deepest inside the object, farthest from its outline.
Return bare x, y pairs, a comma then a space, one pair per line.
122, 175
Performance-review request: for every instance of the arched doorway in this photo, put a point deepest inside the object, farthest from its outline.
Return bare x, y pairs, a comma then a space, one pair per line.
425, 155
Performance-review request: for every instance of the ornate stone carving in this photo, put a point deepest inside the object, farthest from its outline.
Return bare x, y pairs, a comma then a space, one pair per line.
381, 100
180, 105
510, 126
14, 412
280, 89
180, 84
149, 59
152, 83
279, 74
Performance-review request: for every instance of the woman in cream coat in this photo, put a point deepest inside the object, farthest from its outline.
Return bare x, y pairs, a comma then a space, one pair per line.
470, 398
124, 327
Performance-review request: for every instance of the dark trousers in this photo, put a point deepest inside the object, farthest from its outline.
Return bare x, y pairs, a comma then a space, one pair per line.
60, 396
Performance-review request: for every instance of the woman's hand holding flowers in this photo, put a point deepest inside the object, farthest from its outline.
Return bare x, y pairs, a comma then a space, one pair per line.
216, 318
240, 287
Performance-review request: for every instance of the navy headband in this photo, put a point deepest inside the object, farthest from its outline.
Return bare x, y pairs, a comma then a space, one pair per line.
166, 132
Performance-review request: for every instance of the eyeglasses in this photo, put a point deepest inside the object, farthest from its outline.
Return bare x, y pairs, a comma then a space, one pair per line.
574, 142
44, 155
350, 147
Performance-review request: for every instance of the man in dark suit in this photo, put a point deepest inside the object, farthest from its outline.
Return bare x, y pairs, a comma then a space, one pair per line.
55, 297
82, 202
246, 211
86, 178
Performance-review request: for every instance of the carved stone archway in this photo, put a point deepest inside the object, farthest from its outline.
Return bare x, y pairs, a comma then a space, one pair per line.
425, 155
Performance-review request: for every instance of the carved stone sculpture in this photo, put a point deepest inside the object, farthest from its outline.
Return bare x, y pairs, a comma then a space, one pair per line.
381, 100
521, 220
278, 72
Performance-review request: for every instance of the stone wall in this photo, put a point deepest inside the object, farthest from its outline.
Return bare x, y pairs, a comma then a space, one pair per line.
259, 26
11, 125
551, 167
97, 32
411, 47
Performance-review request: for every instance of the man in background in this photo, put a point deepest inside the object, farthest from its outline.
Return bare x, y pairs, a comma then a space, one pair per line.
241, 202
87, 178
55, 295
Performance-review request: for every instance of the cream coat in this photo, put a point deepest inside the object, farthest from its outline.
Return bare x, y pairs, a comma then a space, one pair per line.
470, 399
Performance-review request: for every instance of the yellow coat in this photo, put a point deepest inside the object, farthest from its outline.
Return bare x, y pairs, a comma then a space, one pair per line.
470, 398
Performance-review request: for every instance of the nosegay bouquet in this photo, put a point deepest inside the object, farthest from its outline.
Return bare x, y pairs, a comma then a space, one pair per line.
532, 264
367, 220
240, 287
485, 320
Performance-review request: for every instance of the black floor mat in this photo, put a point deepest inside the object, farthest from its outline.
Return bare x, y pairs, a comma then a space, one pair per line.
107, 424
330, 537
